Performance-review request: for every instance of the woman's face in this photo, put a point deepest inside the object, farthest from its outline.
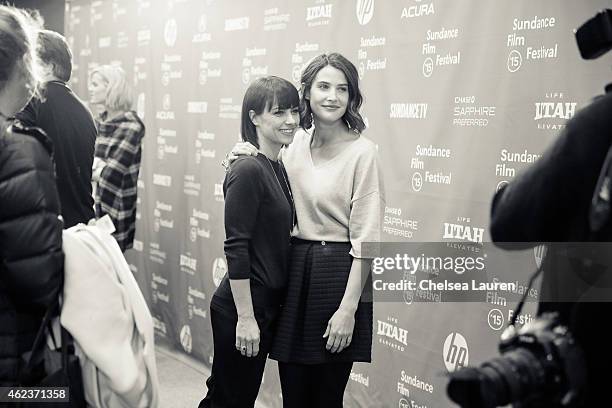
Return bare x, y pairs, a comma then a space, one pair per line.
97, 89
276, 125
16, 93
329, 95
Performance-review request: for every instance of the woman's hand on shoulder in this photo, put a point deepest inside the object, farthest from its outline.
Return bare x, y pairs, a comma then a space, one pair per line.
239, 149
339, 332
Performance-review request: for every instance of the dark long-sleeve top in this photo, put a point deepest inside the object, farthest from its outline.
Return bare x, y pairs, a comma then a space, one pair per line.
71, 128
258, 221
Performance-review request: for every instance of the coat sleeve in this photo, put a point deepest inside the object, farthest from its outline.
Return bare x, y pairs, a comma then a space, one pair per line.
31, 257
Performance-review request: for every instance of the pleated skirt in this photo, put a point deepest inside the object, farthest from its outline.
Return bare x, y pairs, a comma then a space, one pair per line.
318, 274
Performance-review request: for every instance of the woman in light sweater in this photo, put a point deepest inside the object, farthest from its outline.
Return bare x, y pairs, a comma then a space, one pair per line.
326, 321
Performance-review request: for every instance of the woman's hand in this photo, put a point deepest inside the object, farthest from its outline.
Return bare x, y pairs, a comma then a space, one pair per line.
247, 336
339, 331
97, 166
239, 149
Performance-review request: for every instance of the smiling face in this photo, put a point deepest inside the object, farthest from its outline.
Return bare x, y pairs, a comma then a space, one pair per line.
276, 126
97, 89
328, 95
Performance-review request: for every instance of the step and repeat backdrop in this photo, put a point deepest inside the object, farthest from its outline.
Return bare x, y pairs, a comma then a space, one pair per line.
459, 97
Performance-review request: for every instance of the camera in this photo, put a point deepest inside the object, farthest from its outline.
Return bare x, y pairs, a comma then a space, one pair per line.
541, 365
594, 37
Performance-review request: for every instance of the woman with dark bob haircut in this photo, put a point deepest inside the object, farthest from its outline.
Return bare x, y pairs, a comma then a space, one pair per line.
326, 323
259, 217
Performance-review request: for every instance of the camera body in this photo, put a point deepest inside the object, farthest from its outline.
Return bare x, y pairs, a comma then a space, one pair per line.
540, 365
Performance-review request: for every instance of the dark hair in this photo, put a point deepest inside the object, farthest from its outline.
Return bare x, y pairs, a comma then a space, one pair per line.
53, 50
262, 94
352, 117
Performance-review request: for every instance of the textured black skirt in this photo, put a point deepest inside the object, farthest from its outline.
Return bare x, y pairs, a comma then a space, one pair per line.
317, 280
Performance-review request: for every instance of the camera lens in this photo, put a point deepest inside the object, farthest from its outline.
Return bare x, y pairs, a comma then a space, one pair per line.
516, 375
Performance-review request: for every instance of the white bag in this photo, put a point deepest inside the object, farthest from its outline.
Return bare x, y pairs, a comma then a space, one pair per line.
106, 314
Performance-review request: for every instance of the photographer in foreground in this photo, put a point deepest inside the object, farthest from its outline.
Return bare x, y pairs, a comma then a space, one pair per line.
564, 359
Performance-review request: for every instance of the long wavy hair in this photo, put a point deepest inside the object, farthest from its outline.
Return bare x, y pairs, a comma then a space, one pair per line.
352, 117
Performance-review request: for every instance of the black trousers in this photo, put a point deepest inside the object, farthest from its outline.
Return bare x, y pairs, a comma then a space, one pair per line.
313, 385
235, 379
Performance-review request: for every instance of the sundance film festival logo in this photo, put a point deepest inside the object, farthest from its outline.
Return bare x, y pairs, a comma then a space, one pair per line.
365, 11
170, 32
456, 354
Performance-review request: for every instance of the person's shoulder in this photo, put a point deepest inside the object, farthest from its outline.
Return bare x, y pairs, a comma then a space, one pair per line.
598, 111
17, 132
365, 147
301, 138
129, 120
246, 165
301, 135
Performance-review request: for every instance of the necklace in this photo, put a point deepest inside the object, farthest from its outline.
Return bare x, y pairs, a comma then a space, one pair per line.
293, 221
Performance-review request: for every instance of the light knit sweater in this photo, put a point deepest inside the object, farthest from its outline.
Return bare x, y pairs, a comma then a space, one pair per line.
340, 200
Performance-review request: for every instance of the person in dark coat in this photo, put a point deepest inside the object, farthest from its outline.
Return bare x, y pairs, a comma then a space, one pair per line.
31, 257
551, 202
70, 126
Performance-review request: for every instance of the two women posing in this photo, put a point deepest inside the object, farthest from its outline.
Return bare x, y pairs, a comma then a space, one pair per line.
324, 190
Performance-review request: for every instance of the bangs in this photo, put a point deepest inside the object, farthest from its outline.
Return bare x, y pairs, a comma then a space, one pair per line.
283, 94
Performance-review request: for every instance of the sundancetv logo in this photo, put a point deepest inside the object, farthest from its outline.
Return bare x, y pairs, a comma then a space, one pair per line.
365, 11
